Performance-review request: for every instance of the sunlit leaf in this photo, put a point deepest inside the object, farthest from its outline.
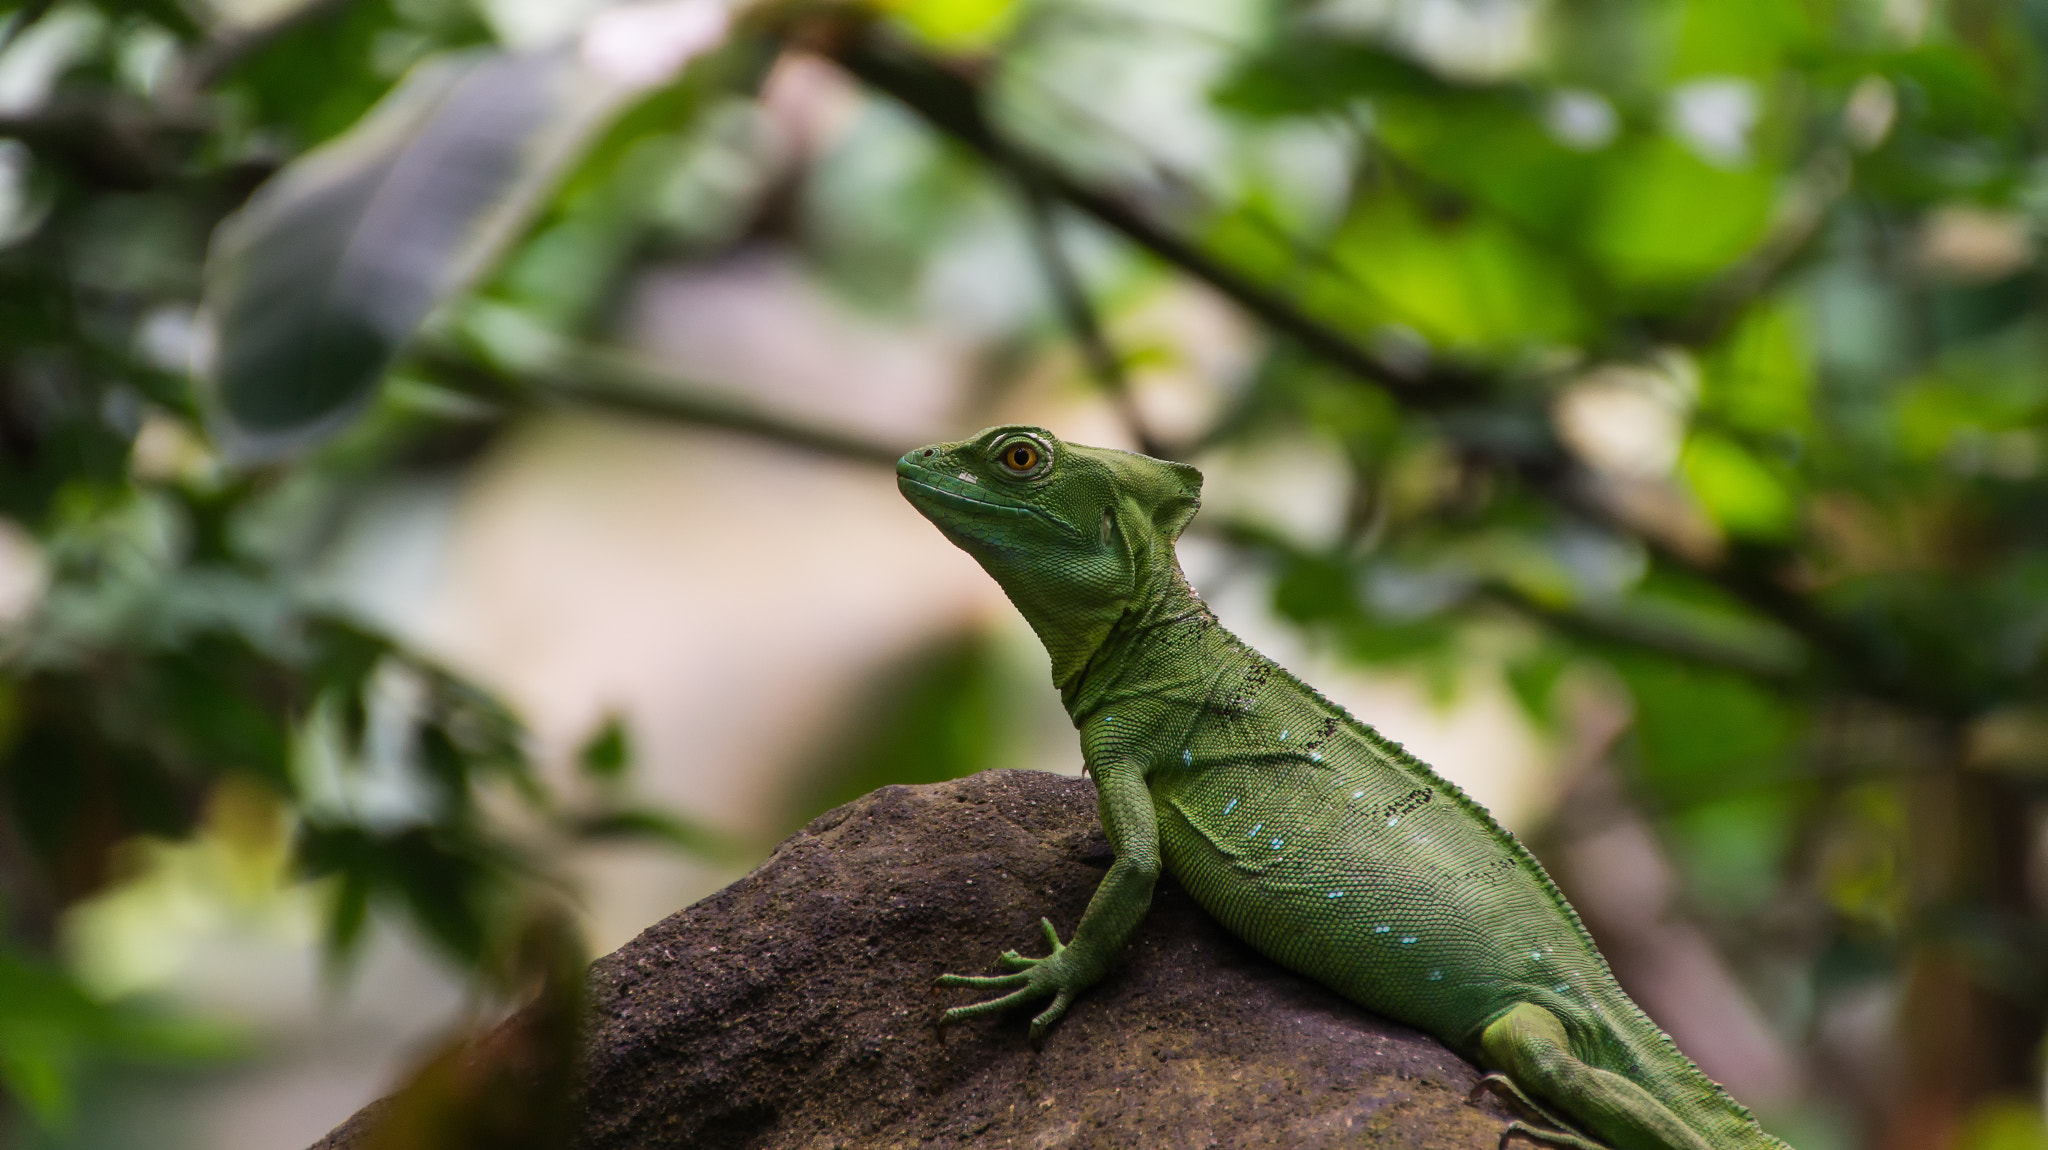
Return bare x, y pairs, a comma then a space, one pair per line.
954, 24
1664, 217
1743, 495
1761, 377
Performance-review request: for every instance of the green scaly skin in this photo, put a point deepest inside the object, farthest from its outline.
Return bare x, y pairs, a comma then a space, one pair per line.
1307, 833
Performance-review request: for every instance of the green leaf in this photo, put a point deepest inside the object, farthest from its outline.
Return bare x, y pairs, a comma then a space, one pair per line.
955, 25
1663, 217
1736, 37
1746, 497
645, 825
607, 755
1533, 678
51, 1032
1307, 75
1700, 733
1761, 376
1469, 281
943, 712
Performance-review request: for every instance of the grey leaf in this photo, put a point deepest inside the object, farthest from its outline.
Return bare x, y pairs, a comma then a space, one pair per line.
317, 282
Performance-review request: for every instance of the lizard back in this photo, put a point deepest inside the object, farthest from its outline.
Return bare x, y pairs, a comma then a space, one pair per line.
1335, 852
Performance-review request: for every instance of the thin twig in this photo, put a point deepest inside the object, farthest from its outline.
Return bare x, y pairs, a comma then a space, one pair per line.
609, 379
1072, 300
1666, 637
952, 104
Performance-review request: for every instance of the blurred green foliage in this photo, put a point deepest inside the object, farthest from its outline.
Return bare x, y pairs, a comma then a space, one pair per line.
1694, 346
944, 712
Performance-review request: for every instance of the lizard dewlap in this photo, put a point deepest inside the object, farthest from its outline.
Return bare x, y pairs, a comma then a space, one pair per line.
1315, 839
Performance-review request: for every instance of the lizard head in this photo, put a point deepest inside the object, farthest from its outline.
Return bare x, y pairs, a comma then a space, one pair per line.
1075, 535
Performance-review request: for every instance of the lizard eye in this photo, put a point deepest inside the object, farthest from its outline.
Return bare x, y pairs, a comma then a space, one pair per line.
1022, 457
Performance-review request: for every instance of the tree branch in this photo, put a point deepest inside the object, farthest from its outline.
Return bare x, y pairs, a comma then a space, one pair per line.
1072, 301
607, 379
1782, 667
952, 103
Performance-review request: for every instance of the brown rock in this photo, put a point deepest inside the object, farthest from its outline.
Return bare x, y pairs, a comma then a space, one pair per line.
794, 1009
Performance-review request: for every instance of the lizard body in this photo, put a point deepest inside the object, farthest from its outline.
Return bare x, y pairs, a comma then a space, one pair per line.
1304, 831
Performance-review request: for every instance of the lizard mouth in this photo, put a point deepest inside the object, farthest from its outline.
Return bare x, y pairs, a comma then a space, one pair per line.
965, 514
923, 491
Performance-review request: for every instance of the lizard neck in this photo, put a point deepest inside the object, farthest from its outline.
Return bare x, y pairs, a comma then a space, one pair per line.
1168, 618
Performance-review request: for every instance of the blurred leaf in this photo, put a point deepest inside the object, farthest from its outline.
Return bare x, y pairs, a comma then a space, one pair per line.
645, 825
1703, 733
607, 755
955, 25
1315, 74
1736, 37
448, 881
1664, 218
1743, 495
1533, 678
1734, 850
1760, 378
51, 1032
942, 713
314, 286
1465, 281
1315, 588
2005, 1124
319, 77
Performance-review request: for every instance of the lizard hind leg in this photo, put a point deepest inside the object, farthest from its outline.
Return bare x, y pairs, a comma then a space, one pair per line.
1504, 1088
1528, 1043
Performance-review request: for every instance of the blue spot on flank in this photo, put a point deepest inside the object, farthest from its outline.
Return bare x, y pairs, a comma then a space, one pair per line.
1381, 929
1276, 844
1562, 987
1407, 940
1357, 794
1187, 758
1335, 894
1231, 806
1436, 976
1537, 955
1109, 718
1256, 828
1393, 820
1315, 756
1283, 735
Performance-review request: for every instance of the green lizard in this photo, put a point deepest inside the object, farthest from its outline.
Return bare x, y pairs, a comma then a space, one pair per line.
1309, 834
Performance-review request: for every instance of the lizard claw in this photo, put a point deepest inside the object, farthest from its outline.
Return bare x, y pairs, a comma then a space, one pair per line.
1034, 978
1051, 1014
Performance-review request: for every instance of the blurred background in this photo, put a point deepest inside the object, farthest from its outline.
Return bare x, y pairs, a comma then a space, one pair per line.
446, 521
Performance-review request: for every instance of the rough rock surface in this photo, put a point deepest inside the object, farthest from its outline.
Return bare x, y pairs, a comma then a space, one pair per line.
794, 1008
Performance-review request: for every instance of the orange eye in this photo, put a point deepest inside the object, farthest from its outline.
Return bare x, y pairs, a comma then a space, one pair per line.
1020, 457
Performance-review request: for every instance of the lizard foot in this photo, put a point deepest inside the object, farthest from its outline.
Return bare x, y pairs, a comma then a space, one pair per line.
1035, 978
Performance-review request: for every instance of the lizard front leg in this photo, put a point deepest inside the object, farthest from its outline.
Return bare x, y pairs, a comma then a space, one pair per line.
1119, 905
